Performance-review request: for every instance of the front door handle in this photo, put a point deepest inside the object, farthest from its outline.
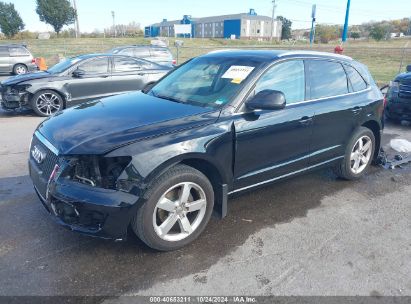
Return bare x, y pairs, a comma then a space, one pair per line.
306, 121
140, 74
356, 110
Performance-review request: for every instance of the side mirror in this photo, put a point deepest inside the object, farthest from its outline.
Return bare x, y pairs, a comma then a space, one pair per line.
409, 68
78, 73
267, 100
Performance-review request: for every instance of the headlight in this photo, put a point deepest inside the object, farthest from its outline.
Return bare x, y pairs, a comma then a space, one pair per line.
97, 171
19, 88
394, 85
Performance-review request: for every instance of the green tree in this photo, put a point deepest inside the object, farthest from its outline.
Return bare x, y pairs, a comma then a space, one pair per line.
355, 35
10, 20
57, 13
286, 29
377, 32
326, 33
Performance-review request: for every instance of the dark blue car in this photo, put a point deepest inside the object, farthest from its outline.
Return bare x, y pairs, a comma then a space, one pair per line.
399, 97
160, 160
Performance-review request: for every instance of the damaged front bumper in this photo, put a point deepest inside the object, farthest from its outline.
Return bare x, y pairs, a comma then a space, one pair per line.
98, 212
399, 109
11, 100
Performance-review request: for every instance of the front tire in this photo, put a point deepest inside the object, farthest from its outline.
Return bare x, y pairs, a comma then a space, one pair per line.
46, 103
177, 207
358, 155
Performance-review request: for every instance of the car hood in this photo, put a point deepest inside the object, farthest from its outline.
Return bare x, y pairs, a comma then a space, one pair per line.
98, 127
24, 77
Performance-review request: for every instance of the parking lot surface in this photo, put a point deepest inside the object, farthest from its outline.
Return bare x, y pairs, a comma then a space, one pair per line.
312, 235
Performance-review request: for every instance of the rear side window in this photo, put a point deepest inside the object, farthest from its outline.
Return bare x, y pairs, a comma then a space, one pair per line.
160, 53
327, 79
141, 52
123, 64
287, 77
357, 82
18, 51
4, 51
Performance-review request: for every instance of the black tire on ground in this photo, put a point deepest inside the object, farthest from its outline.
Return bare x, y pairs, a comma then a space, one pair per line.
142, 223
46, 103
19, 69
343, 169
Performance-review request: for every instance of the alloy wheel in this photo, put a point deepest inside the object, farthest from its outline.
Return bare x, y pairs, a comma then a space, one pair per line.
48, 103
21, 70
361, 154
179, 211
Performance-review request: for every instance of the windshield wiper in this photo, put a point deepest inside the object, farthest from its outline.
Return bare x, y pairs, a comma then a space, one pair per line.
167, 97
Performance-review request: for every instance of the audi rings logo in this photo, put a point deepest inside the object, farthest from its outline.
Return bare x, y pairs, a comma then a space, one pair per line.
38, 155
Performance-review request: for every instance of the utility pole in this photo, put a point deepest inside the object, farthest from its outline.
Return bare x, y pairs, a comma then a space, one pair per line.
272, 21
114, 23
77, 24
345, 31
312, 33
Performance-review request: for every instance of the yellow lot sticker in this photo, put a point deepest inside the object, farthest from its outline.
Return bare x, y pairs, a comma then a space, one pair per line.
236, 80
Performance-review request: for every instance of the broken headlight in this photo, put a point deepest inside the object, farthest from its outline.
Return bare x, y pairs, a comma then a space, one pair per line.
97, 171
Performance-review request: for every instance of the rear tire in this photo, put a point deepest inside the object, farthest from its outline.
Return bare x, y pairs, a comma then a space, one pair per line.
19, 69
46, 103
358, 155
177, 207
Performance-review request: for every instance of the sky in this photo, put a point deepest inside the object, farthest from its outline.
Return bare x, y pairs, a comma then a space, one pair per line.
96, 14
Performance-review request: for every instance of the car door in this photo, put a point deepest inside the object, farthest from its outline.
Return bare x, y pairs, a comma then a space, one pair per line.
274, 144
5, 65
337, 109
129, 74
95, 83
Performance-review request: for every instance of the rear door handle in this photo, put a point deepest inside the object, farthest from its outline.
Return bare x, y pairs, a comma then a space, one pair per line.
306, 121
356, 110
140, 74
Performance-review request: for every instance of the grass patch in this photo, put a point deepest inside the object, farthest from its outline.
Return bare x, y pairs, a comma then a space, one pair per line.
382, 58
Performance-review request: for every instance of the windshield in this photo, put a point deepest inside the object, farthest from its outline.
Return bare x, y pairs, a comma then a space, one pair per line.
62, 66
206, 81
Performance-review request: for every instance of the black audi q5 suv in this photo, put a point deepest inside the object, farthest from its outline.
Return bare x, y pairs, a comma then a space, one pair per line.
160, 160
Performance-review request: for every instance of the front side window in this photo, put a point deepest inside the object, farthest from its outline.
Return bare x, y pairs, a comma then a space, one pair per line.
207, 81
95, 66
327, 78
141, 52
358, 83
287, 77
4, 51
127, 52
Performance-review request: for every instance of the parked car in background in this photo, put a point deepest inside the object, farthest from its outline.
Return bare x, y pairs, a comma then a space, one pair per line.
158, 161
398, 97
157, 54
77, 80
16, 59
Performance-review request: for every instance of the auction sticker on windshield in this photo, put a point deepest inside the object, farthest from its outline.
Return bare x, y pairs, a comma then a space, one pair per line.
238, 73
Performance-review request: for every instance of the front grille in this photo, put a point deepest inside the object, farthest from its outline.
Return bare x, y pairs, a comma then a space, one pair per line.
405, 90
46, 167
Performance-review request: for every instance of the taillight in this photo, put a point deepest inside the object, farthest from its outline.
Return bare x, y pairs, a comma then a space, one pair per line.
385, 101
33, 61
174, 62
